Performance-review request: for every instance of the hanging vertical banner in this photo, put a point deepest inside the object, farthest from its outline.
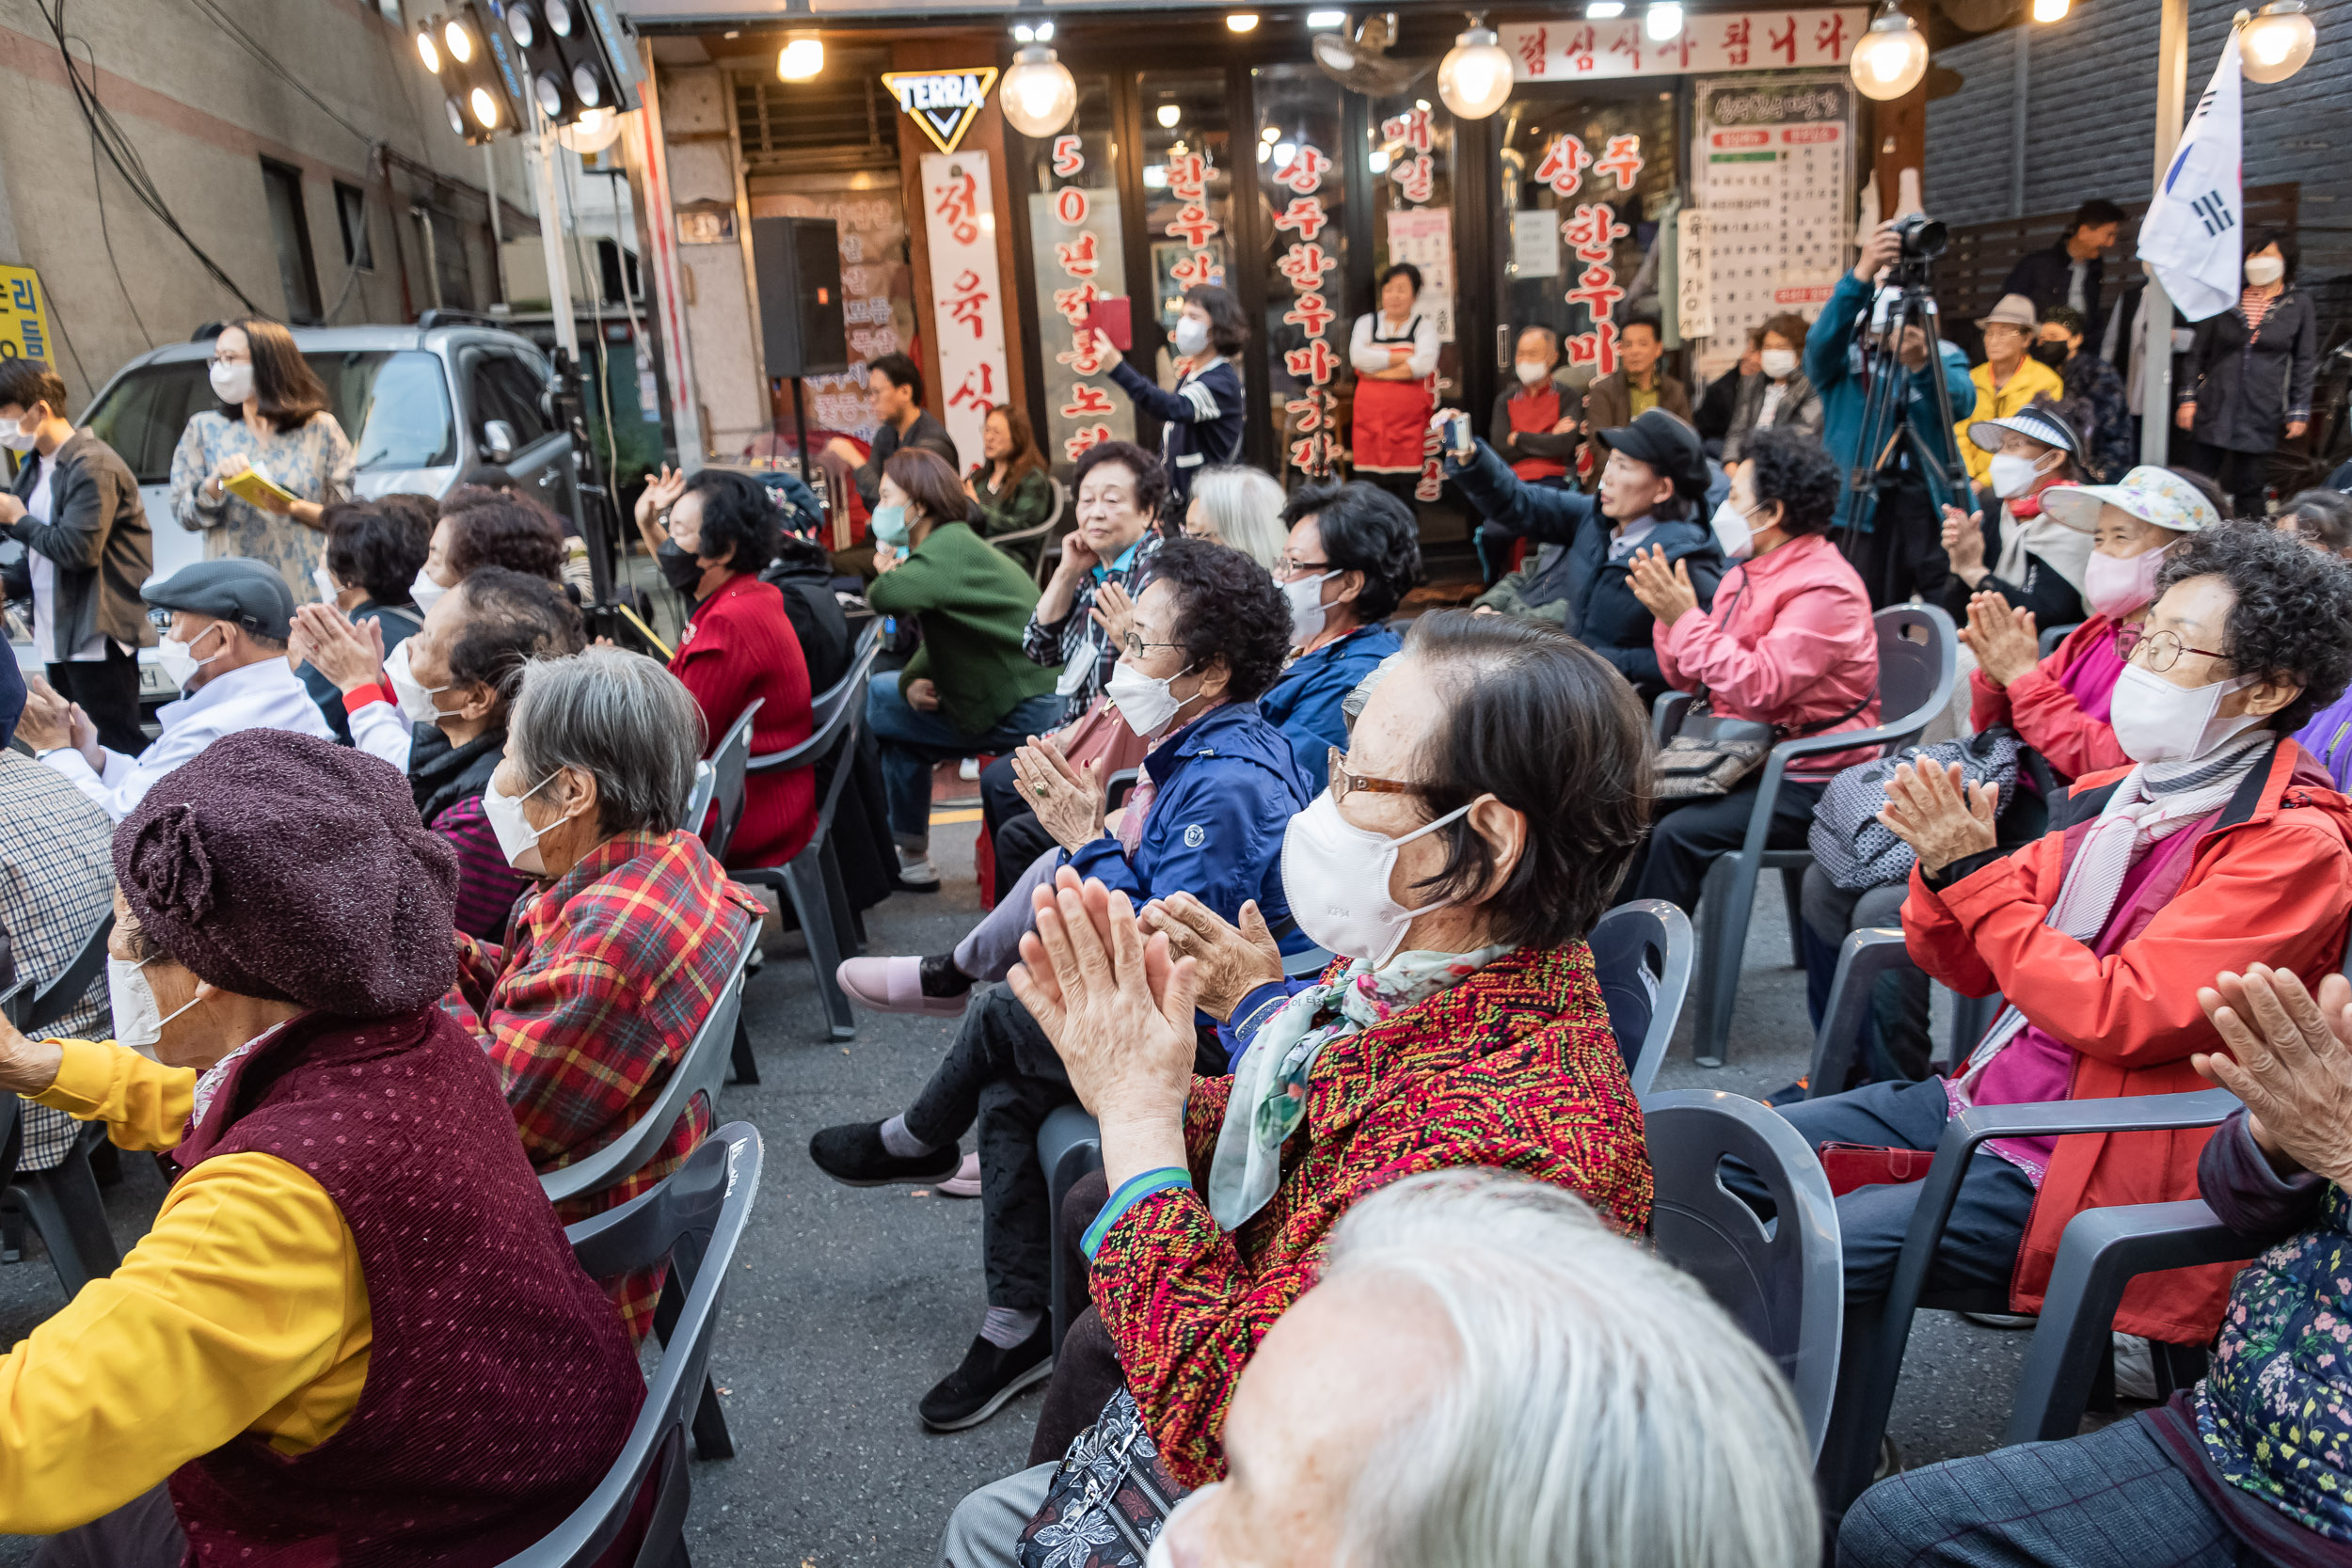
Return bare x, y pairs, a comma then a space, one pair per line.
1303, 266
1694, 288
968, 302
1075, 239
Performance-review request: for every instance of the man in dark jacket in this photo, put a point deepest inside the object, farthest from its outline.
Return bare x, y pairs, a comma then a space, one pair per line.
75, 508
2114, 448
1637, 386
2068, 271
1650, 491
895, 384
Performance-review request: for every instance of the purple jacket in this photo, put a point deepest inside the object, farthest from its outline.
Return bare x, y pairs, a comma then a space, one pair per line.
2328, 738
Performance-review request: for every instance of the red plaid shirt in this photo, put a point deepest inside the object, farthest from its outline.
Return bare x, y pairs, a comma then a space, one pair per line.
607, 973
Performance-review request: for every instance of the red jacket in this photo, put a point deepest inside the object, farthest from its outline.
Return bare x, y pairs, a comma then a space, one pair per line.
1789, 642
2269, 882
2044, 713
740, 646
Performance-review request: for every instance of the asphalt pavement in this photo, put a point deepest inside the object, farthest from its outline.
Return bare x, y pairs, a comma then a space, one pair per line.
846, 1304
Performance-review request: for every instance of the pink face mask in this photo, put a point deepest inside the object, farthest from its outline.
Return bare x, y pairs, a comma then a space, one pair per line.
2118, 587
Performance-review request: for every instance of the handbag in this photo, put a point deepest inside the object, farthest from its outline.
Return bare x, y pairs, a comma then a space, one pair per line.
1107, 1499
1710, 754
1857, 851
1852, 1165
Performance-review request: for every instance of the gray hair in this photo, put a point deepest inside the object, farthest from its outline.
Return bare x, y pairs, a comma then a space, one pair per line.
1600, 1409
1245, 507
621, 720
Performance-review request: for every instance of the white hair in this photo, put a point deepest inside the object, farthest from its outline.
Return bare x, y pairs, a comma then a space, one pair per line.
1601, 1410
1245, 507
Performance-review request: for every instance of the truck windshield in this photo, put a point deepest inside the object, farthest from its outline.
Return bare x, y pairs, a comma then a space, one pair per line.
394, 405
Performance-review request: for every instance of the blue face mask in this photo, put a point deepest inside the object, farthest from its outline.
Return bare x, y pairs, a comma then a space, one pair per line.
890, 526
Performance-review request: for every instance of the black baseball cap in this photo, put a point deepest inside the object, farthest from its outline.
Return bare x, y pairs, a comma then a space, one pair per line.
232, 588
1665, 443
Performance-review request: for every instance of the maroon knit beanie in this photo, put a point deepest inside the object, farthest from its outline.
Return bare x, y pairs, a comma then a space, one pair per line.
278, 865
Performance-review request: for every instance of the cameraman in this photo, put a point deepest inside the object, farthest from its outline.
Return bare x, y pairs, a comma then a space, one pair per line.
1893, 538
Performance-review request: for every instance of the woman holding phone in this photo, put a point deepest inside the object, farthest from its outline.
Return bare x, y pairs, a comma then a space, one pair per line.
1200, 421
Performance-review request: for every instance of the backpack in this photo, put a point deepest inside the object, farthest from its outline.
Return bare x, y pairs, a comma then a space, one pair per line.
1857, 851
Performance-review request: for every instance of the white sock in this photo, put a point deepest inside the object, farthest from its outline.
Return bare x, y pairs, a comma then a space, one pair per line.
899, 1144
1007, 1327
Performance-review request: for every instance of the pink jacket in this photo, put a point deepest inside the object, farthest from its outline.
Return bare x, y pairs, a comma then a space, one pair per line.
1789, 642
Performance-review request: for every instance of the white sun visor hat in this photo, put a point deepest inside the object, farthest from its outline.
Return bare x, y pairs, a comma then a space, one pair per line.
2036, 423
2152, 495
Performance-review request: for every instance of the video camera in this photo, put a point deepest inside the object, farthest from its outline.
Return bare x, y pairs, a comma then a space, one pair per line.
1923, 239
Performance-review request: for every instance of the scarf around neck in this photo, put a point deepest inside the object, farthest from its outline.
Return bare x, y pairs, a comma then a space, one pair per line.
2026, 528
1269, 1098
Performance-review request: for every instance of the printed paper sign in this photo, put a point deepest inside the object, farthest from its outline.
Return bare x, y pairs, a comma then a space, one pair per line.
1772, 175
967, 301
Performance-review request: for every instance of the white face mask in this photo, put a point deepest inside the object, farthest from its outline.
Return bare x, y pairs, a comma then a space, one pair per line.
1307, 608
2263, 270
178, 659
415, 702
518, 840
1335, 876
19, 440
424, 591
1732, 532
2013, 476
1192, 335
232, 383
138, 1018
1533, 372
2157, 721
1779, 363
1144, 701
325, 582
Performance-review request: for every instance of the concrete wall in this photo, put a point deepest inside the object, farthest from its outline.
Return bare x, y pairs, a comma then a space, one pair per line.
203, 113
698, 128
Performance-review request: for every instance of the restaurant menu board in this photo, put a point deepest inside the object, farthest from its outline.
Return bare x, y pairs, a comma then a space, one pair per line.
1773, 178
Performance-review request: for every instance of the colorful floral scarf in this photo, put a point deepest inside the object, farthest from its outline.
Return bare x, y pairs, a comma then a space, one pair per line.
1269, 1098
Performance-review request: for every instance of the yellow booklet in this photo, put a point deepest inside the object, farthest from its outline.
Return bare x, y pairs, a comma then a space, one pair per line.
258, 487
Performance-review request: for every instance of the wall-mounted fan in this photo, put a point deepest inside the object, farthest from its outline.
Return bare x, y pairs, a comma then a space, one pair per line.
1363, 63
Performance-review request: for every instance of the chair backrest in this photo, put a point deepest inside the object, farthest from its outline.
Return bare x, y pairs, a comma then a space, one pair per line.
1918, 660
1307, 963
831, 715
695, 1219
1049, 536
32, 1012
727, 761
701, 1070
2053, 636
698, 797
1784, 1285
1642, 952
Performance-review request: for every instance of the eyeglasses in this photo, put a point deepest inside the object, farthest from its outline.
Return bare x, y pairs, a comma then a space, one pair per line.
1292, 565
1135, 644
223, 359
1344, 783
2163, 649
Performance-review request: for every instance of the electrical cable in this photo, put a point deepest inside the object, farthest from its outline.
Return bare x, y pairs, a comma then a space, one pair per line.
98, 186
252, 46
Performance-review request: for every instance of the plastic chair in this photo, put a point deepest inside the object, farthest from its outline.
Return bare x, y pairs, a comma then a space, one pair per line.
1915, 684
1642, 952
1043, 534
695, 1219
1868, 954
700, 1070
2053, 636
63, 1202
812, 878
698, 798
1069, 1147
1785, 1283
728, 761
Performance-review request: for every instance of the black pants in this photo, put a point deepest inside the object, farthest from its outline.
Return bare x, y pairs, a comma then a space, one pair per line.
1895, 1042
1903, 552
1685, 839
142, 1533
2242, 475
108, 691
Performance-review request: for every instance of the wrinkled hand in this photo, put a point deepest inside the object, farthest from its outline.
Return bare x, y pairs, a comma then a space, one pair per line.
1878, 253
1078, 556
2185, 416
1117, 1007
2005, 641
1963, 539
1231, 962
12, 510
350, 656
2290, 1058
922, 694
1067, 803
1925, 809
47, 721
1115, 613
27, 1065
661, 492
1665, 590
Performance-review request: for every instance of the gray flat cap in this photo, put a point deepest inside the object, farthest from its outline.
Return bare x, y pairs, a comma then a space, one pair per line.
232, 588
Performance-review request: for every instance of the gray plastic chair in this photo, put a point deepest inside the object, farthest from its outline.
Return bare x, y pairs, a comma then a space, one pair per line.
2053, 636
812, 878
695, 1219
1915, 674
1783, 1283
728, 761
1043, 534
1306, 965
698, 798
1869, 952
63, 1202
702, 1069
1069, 1147
1648, 937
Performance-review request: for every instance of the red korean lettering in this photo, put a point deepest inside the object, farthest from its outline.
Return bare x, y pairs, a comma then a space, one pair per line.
1579, 47
1311, 313
968, 302
1593, 231
1305, 172
1828, 36
1084, 354
1305, 415
1563, 166
1784, 44
1415, 177
1411, 128
1087, 401
1196, 270
1736, 36
958, 204
1187, 177
978, 388
1304, 266
1305, 214
1597, 348
1192, 226
1078, 257
1083, 441
1076, 303
1532, 50
1597, 291
1622, 161
1629, 45
1313, 363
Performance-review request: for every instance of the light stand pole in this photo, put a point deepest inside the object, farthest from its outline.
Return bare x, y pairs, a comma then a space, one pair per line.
2155, 306
554, 220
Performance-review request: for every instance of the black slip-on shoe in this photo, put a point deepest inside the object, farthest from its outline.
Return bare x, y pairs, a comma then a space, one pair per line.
990, 1376
852, 1154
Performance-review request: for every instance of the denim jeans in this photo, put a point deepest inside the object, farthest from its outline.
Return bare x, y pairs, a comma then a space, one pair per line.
912, 743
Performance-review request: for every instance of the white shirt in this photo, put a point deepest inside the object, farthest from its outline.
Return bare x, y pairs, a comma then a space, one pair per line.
43, 572
2076, 295
265, 696
1368, 357
381, 730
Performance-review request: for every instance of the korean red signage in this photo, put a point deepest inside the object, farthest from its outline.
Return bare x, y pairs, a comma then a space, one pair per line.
1304, 265
1718, 40
967, 299
1075, 233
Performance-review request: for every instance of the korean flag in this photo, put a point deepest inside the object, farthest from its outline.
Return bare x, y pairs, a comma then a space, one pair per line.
2194, 235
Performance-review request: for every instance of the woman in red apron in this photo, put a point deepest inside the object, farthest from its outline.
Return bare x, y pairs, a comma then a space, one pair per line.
1396, 354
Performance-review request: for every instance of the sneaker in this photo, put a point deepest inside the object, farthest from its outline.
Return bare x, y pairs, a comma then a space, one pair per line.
990, 1376
969, 770
894, 986
2134, 1369
916, 874
852, 1154
2001, 1320
966, 1181
1793, 1095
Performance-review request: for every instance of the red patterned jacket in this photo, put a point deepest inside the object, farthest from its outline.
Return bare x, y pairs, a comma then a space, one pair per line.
1513, 1068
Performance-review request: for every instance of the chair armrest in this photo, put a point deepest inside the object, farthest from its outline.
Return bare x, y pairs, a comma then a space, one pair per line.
1306, 965
11, 998
1867, 953
2130, 1114
1118, 787
2053, 636
1665, 714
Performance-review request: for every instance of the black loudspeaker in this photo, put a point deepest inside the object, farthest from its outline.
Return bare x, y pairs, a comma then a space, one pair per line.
798, 264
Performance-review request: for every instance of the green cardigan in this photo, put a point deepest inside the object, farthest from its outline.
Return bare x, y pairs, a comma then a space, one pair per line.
973, 602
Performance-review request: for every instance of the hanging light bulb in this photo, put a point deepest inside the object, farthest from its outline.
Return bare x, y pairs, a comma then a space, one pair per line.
2275, 43
1168, 115
591, 132
1474, 78
802, 58
1662, 22
426, 53
2051, 10
1039, 94
1890, 59
460, 41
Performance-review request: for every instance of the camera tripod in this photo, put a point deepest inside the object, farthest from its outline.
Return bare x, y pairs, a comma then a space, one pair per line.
1889, 431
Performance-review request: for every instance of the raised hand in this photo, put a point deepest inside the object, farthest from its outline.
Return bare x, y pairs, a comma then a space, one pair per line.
1933, 808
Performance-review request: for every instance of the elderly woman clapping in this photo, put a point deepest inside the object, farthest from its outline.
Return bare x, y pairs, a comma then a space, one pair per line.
345, 1159
1467, 845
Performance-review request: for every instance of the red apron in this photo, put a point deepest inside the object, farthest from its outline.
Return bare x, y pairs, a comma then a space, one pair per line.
1391, 419
1534, 414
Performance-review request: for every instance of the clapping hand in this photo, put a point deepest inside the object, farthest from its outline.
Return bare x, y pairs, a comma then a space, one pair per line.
1232, 960
47, 721
1939, 814
2004, 640
661, 492
1963, 539
350, 656
1114, 612
1067, 802
1665, 591
2290, 1059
